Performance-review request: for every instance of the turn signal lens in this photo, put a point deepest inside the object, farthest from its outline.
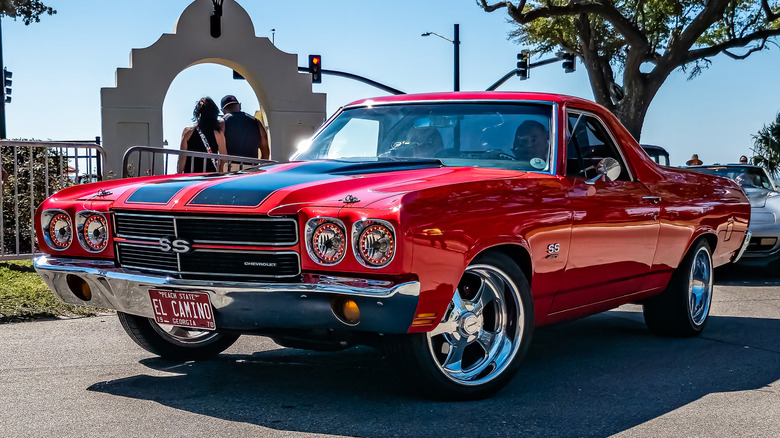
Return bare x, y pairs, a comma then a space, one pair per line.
350, 311
58, 231
376, 244
93, 233
346, 310
326, 241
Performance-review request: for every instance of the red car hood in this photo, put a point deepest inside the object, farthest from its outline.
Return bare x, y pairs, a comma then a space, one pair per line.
284, 188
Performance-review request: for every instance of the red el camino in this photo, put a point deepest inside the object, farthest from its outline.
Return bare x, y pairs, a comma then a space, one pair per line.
445, 227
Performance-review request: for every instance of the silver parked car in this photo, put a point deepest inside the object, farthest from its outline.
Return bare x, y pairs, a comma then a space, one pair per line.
764, 208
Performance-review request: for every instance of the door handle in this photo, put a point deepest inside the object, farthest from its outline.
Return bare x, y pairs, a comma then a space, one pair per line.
652, 199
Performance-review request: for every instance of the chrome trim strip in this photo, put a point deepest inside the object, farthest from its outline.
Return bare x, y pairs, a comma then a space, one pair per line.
162, 216
369, 103
553, 168
217, 218
744, 247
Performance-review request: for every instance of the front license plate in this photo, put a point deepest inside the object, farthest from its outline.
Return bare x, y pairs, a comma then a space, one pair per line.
183, 309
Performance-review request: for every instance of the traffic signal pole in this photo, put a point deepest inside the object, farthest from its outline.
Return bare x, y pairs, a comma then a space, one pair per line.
344, 74
569, 66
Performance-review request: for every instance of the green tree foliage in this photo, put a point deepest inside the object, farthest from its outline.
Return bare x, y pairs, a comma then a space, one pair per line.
29, 11
26, 185
630, 47
766, 147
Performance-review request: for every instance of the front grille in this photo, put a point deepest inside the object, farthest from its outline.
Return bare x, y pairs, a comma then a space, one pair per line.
248, 263
238, 231
146, 257
260, 231
146, 254
141, 226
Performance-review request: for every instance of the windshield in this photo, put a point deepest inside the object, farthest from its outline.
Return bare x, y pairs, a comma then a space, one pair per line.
510, 136
747, 176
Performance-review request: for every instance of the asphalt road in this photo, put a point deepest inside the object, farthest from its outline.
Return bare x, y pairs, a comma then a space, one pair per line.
600, 376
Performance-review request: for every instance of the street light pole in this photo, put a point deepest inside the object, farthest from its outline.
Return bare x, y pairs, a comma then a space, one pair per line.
456, 43
456, 62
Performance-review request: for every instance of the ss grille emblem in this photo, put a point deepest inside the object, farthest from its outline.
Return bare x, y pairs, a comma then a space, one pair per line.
176, 245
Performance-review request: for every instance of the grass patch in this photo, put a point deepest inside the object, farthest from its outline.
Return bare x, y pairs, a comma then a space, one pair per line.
24, 296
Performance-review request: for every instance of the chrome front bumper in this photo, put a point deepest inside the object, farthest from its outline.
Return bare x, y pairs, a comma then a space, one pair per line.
244, 306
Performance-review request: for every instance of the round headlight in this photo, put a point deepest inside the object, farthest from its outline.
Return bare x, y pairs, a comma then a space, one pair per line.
376, 244
59, 232
94, 233
326, 241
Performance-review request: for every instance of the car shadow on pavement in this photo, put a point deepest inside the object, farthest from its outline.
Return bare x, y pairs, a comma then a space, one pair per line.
748, 275
593, 377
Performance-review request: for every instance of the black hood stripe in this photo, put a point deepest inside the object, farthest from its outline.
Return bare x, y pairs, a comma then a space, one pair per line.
161, 192
252, 190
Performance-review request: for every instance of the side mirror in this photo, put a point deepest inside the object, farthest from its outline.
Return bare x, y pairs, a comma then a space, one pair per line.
608, 168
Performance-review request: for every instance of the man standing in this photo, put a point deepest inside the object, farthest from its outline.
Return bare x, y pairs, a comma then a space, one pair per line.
244, 134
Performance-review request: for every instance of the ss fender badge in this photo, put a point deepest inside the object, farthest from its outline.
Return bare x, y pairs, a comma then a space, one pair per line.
552, 250
180, 246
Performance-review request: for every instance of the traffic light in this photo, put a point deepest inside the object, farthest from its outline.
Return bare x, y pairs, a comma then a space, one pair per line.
7, 75
523, 69
315, 68
569, 62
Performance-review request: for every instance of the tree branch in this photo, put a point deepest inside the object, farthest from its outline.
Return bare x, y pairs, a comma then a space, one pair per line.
707, 52
604, 8
711, 13
770, 16
493, 7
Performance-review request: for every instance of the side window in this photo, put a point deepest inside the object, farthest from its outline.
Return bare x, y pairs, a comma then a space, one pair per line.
358, 138
589, 143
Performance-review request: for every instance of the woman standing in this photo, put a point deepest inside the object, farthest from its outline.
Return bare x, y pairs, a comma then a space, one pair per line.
206, 135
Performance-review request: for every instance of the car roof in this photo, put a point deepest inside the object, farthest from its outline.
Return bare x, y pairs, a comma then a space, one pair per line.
472, 95
653, 147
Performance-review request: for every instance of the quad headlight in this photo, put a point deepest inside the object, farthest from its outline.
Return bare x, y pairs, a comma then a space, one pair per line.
92, 230
57, 229
326, 240
373, 241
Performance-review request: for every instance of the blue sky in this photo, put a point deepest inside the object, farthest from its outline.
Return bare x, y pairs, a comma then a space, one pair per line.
60, 65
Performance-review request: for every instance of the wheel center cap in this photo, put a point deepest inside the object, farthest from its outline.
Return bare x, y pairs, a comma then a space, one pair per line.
470, 324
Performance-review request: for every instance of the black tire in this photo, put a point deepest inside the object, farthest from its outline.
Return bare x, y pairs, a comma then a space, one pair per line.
683, 308
482, 339
175, 343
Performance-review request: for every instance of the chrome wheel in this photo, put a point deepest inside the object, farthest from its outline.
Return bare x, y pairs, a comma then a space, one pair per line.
700, 286
683, 307
181, 335
481, 330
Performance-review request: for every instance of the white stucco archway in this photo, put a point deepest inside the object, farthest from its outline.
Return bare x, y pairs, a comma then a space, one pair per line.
132, 111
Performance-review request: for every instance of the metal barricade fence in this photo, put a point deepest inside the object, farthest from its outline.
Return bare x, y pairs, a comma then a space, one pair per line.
148, 160
33, 171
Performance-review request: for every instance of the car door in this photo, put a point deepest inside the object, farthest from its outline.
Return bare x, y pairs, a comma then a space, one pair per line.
615, 224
